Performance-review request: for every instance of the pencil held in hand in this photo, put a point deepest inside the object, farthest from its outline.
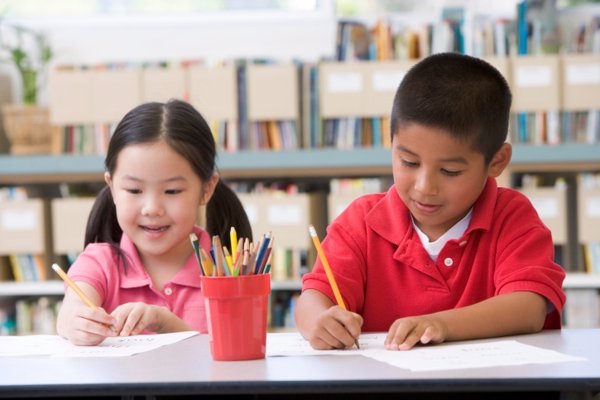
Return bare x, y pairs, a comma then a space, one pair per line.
328, 272
336, 291
73, 286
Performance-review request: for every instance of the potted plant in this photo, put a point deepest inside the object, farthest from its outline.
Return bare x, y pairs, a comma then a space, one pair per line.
26, 124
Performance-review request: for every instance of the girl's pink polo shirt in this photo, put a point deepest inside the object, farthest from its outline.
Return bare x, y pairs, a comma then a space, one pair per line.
384, 273
99, 266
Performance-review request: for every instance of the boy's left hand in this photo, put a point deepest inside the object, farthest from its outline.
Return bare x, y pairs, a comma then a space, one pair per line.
407, 332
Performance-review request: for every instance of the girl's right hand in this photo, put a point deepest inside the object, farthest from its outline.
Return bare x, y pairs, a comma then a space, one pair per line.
89, 326
335, 328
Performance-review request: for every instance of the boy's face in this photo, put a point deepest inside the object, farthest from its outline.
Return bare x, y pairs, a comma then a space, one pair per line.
437, 177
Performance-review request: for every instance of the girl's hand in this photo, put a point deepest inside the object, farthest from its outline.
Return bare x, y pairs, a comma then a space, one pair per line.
335, 328
407, 332
89, 326
134, 318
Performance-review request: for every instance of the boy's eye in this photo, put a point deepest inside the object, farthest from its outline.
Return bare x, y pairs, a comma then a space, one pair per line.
410, 164
450, 172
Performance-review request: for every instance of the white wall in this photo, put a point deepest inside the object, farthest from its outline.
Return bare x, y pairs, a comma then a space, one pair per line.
306, 36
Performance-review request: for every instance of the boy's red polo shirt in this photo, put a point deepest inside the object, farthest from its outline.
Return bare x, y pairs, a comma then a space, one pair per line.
384, 273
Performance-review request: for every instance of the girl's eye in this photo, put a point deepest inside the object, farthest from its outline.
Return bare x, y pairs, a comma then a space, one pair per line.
410, 164
133, 191
173, 191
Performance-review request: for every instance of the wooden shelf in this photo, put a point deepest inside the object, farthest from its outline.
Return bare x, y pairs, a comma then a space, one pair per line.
19, 170
56, 288
581, 281
35, 289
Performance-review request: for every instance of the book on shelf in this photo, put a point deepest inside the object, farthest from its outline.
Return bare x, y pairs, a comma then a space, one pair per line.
28, 267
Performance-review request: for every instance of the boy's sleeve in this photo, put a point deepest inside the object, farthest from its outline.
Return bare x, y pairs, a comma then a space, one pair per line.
347, 262
525, 260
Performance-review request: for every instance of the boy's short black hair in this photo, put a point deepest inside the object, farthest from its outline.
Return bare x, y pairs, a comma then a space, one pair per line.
461, 94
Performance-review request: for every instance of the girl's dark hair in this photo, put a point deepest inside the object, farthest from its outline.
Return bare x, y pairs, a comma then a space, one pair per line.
461, 94
184, 129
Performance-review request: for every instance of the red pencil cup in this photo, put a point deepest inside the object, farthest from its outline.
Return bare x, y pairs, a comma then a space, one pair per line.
236, 310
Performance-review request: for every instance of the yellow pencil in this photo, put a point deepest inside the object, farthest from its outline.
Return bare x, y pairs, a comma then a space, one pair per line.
73, 286
336, 291
228, 260
234, 241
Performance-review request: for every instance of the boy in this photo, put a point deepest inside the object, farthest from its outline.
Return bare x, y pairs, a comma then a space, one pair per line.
445, 254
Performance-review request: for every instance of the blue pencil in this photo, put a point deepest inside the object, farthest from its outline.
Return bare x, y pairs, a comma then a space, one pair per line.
261, 253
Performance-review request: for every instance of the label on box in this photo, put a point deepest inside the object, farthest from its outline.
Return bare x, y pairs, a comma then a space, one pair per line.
284, 215
251, 212
583, 74
345, 82
592, 207
18, 220
387, 81
545, 207
534, 76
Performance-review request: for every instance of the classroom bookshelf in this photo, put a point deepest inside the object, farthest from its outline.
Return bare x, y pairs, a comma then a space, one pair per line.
43, 171
317, 121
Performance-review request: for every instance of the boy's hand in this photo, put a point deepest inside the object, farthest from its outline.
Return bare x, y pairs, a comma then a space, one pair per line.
90, 326
134, 318
407, 332
335, 328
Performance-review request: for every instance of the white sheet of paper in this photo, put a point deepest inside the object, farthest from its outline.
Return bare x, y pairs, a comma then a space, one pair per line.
293, 344
428, 358
56, 346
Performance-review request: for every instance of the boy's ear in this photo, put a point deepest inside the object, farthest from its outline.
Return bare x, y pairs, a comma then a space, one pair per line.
500, 160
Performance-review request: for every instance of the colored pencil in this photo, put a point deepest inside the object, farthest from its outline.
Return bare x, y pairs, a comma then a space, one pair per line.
234, 241
196, 246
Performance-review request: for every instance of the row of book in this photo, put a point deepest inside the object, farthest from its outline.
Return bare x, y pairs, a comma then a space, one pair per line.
30, 316
553, 127
283, 305
327, 104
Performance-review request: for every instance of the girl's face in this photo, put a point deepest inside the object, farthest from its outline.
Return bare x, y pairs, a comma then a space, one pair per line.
157, 196
438, 177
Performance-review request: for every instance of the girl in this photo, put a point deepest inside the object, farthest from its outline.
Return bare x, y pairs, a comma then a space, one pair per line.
138, 264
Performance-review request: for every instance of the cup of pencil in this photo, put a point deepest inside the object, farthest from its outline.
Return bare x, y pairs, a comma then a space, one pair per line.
236, 285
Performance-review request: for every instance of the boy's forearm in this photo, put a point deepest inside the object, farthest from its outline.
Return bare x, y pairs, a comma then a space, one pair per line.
507, 314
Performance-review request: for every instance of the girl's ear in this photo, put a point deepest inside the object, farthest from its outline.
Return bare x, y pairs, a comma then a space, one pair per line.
208, 188
108, 180
500, 160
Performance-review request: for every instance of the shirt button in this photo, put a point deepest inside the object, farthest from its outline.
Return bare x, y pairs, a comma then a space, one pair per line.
168, 291
448, 262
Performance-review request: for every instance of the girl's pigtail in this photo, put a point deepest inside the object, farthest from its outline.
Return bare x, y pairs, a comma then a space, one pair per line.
102, 225
225, 210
